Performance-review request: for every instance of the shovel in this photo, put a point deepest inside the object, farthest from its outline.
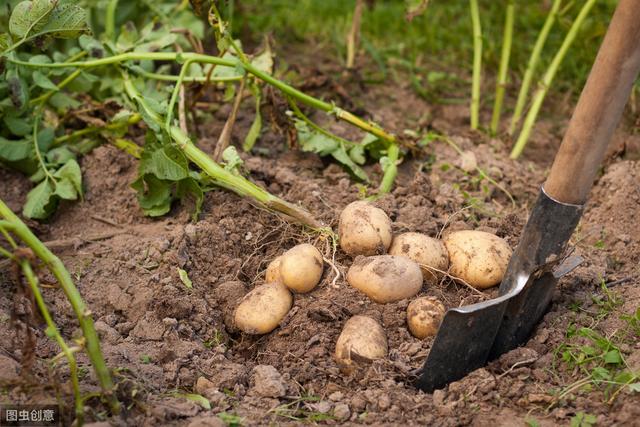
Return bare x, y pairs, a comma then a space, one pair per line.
472, 335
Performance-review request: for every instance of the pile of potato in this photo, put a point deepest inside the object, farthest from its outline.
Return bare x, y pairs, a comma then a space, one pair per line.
385, 268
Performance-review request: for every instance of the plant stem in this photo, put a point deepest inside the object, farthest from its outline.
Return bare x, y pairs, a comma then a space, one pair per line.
532, 64
477, 63
207, 59
390, 172
110, 20
53, 332
186, 79
75, 299
354, 33
504, 66
135, 118
547, 80
176, 90
219, 175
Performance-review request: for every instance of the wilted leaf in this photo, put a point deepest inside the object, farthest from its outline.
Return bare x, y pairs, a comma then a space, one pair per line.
231, 158
40, 18
29, 17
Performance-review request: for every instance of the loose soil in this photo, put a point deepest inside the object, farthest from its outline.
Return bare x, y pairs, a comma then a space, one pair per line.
162, 338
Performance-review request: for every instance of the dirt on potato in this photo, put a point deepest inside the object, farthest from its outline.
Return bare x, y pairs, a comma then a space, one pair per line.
163, 339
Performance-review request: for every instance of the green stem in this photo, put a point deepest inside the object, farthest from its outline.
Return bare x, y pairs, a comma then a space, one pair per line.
531, 66
75, 299
53, 332
135, 118
504, 66
207, 59
36, 147
393, 153
187, 79
219, 175
176, 91
477, 63
110, 20
547, 80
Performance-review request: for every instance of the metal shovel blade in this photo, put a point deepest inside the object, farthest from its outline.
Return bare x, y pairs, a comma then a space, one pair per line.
466, 337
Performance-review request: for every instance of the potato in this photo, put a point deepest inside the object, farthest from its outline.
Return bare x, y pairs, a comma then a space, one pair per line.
424, 316
424, 250
262, 309
362, 340
301, 268
385, 278
364, 229
273, 271
477, 257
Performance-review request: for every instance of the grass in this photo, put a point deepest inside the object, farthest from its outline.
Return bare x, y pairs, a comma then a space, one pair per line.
596, 358
439, 39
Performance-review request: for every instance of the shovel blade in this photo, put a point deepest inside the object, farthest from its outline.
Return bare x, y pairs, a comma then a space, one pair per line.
463, 343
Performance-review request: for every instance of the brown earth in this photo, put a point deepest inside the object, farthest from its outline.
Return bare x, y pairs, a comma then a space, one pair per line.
162, 338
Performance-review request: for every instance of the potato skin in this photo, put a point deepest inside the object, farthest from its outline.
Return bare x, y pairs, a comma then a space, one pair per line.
364, 229
273, 271
262, 309
477, 257
424, 250
424, 316
362, 340
385, 278
301, 268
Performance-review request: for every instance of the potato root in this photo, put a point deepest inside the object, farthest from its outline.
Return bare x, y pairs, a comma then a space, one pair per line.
262, 309
364, 229
424, 250
477, 257
301, 268
385, 278
424, 316
362, 340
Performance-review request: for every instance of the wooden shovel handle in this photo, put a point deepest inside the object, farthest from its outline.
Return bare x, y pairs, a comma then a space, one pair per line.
599, 108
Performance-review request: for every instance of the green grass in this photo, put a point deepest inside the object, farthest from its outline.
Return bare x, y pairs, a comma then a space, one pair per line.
440, 39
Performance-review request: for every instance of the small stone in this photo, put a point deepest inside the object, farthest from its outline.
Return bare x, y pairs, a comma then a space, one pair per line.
323, 406
336, 396
203, 384
358, 403
438, 398
342, 412
468, 161
169, 321
267, 381
248, 236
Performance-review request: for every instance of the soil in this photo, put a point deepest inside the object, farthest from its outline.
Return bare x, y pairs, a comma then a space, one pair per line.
163, 339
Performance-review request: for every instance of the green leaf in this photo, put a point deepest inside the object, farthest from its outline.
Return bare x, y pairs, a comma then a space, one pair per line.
635, 387
154, 195
40, 203
39, 18
19, 126
29, 17
256, 127
184, 277
5, 41
69, 186
200, 400
13, 151
43, 81
167, 163
264, 61
231, 158
63, 102
18, 89
613, 357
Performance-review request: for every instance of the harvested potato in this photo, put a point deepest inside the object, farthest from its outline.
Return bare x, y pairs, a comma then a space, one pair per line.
424, 316
424, 250
262, 309
362, 340
301, 268
273, 271
364, 229
385, 278
477, 257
